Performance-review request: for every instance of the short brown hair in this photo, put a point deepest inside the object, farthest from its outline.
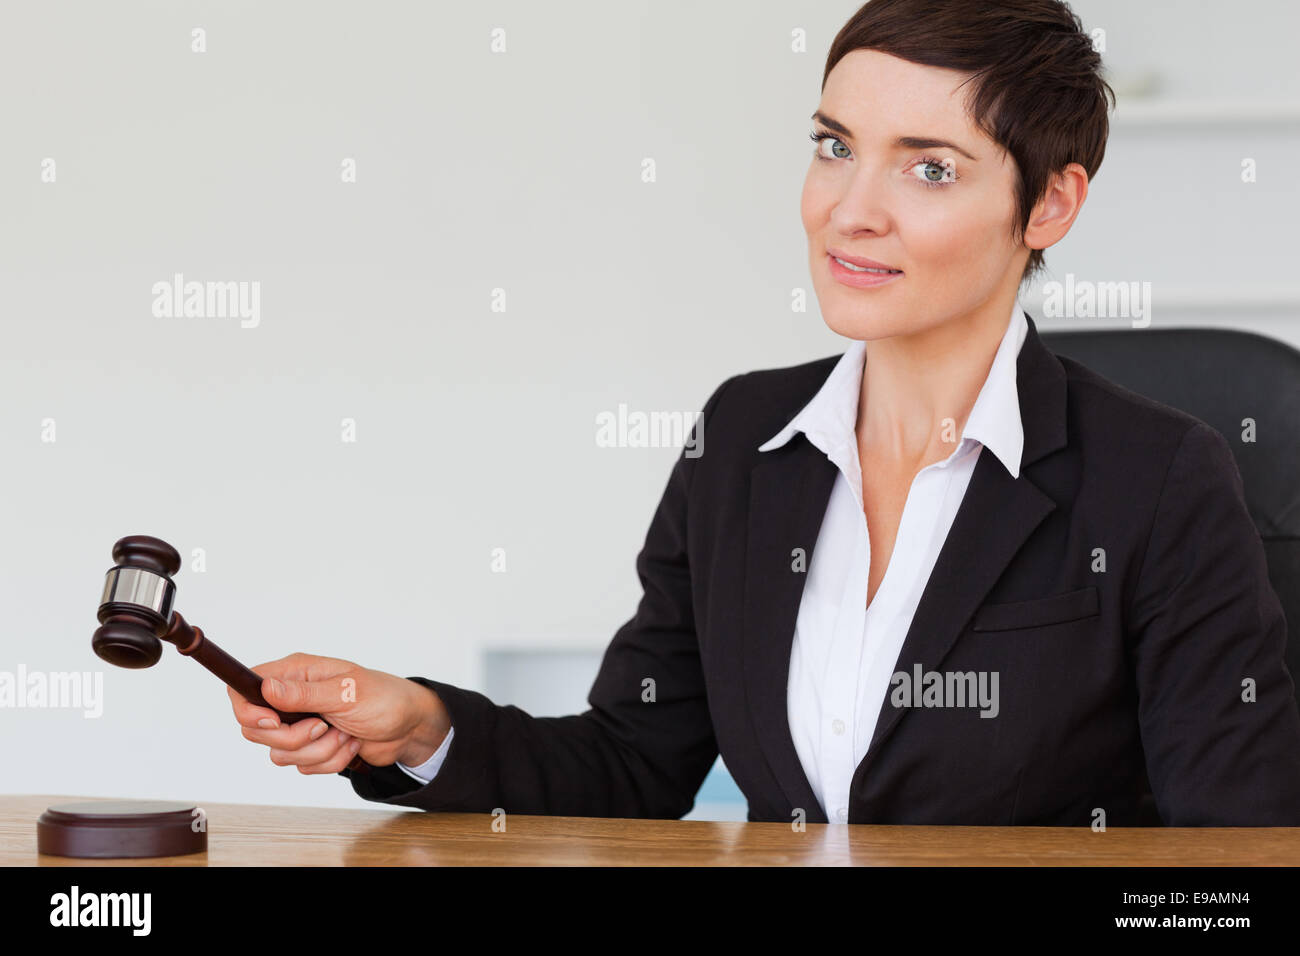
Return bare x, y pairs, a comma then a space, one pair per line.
1038, 88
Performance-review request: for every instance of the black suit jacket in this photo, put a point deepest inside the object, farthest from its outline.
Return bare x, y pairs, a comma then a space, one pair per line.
1118, 587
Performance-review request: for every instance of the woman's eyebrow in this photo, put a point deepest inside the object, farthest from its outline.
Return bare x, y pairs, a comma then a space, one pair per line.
903, 142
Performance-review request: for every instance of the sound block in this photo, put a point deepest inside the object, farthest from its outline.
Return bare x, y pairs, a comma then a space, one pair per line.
108, 829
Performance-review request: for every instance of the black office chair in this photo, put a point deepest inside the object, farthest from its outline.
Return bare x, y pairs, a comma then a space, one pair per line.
1223, 376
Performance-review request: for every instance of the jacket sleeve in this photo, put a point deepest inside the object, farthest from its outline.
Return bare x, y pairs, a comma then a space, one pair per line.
645, 744
1208, 628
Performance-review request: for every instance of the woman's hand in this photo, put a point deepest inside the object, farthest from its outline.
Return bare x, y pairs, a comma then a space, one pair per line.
384, 717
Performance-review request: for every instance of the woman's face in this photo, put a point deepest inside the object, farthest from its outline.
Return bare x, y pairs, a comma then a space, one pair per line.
881, 188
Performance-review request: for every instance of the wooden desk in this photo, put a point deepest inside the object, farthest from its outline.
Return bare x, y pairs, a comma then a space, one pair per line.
250, 835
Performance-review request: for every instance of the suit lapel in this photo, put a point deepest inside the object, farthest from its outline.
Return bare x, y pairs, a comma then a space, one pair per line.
996, 517
789, 491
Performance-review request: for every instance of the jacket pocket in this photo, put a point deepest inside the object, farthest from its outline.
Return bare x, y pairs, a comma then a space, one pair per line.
1039, 612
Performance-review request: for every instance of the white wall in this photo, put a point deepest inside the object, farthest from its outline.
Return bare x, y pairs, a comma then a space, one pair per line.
476, 171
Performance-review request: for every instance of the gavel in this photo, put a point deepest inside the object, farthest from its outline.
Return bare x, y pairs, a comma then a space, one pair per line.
136, 616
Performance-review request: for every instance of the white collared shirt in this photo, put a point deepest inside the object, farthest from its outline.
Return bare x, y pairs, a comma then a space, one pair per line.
844, 652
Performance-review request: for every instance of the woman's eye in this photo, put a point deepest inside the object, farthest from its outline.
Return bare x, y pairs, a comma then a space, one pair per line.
818, 138
935, 172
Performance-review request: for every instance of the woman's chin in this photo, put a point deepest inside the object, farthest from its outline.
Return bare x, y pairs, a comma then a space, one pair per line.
865, 327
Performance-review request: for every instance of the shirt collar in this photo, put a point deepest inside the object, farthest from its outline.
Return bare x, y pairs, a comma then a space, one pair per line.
829, 419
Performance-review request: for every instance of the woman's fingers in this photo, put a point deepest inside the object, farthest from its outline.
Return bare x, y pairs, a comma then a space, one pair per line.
249, 714
308, 683
341, 758
313, 752
289, 736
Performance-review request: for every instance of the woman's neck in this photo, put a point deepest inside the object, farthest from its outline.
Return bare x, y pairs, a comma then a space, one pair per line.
918, 389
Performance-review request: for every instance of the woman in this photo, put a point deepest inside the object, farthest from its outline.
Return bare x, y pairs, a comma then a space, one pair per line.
945, 578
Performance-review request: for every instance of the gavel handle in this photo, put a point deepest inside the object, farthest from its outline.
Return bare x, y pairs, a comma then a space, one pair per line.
233, 673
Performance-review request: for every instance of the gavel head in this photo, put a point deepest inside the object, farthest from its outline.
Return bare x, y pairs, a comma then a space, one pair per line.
136, 606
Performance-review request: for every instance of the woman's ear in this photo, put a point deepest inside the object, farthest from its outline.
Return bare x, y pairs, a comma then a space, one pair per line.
1051, 218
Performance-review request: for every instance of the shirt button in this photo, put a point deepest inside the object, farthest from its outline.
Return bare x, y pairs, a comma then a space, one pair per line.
837, 727
842, 814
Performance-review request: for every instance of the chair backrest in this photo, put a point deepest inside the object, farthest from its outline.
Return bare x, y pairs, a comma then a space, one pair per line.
1224, 377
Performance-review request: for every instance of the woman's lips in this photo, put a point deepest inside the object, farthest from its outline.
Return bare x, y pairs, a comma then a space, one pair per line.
859, 280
